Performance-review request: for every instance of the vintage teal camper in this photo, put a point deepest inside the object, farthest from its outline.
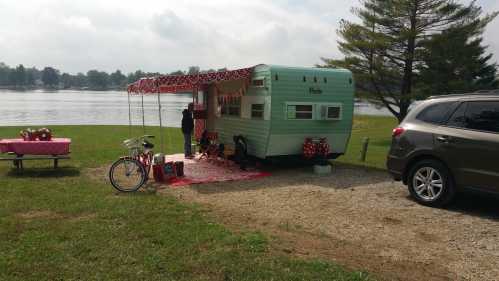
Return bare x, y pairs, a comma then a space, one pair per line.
284, 105
273, 107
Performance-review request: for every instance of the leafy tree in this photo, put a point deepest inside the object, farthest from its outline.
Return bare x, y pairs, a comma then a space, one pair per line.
20, 76
30, 76
193, 70
4, 74
66, 80
132, 77
455, 62
178, 72
97, 79
80, 80
117, 78
384, 50
50, 77
211, 70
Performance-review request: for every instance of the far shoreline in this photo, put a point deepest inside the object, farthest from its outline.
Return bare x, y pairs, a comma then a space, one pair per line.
23, 89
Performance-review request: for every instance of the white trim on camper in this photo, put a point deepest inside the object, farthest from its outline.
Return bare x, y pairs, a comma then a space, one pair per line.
317, 111
323, 111
247, 101
292, 103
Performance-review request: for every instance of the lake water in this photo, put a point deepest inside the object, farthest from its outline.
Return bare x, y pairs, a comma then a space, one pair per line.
101, 108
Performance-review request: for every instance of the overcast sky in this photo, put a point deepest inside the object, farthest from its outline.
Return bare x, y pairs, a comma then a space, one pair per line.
166, 35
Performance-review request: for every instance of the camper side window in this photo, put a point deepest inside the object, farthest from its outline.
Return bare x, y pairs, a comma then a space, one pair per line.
232, 107
301, 112
257, 111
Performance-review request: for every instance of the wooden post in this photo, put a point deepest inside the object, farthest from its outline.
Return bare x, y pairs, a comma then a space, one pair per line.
160, 124
143, 116
129, 117
363, 151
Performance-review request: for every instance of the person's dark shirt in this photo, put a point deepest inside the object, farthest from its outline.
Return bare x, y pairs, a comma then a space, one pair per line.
187, 122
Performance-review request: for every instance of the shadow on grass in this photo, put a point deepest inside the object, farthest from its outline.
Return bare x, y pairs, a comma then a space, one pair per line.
44, 172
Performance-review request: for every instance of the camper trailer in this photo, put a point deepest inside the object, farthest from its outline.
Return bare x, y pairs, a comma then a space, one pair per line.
281, 107
275, 108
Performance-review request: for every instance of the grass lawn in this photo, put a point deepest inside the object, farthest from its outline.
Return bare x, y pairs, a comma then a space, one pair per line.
66, 225
379, 132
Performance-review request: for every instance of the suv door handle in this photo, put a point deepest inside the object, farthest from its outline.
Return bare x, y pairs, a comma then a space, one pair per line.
444, 139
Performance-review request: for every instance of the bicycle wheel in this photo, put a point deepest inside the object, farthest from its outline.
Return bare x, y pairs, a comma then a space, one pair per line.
127, 175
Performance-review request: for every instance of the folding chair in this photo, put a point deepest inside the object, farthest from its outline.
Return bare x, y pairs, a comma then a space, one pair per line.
211, 149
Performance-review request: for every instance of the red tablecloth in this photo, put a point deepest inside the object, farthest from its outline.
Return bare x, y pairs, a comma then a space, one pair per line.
57, 146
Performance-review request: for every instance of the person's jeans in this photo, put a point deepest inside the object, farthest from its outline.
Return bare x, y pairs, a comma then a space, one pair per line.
187, 145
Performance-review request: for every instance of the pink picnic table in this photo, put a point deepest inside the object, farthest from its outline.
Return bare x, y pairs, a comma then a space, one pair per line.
57, 148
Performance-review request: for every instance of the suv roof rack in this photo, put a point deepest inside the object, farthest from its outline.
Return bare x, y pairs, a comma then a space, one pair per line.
477, 93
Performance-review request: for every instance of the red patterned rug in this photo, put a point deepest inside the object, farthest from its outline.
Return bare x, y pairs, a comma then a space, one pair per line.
203, 171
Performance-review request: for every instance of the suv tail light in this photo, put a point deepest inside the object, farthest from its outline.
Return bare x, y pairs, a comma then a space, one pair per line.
397, 131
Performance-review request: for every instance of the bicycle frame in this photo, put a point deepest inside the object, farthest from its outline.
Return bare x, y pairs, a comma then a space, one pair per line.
138, 152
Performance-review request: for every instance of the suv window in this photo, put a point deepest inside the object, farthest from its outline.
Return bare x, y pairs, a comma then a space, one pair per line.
437, 113
483, 116
458, 119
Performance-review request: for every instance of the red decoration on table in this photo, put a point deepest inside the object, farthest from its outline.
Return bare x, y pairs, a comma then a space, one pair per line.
42, 134
27, 135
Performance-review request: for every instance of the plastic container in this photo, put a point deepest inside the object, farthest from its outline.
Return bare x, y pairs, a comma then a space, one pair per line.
159, 158
179, 168
157, 171
169, 171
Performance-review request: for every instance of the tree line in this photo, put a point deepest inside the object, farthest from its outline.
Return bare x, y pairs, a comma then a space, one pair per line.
404, 50
21, 77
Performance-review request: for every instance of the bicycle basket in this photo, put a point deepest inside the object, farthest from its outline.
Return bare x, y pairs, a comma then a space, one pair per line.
132, 143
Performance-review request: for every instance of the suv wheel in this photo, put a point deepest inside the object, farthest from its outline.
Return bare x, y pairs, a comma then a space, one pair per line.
430, 183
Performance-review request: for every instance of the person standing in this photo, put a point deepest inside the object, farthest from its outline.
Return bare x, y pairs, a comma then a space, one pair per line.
187, 127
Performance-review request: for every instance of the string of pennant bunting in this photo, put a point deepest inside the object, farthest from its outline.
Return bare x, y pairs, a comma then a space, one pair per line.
182, 83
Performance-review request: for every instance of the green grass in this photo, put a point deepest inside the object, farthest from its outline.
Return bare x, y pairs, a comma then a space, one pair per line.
379, 132
65, 225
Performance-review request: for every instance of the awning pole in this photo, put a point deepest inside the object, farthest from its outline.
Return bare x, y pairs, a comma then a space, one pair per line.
160, 124
143, 117
129, 117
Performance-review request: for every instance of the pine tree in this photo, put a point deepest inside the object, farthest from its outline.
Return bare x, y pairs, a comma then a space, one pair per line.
386, 48
455, 61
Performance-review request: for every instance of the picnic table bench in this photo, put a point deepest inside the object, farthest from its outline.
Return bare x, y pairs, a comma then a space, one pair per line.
20, 150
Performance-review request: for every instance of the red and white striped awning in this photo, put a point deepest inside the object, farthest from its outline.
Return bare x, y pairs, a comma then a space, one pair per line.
184, 83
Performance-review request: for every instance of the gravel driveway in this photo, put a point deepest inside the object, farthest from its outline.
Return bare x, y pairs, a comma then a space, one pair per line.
362, 220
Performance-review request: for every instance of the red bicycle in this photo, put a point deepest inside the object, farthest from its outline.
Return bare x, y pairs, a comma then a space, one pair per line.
129, 173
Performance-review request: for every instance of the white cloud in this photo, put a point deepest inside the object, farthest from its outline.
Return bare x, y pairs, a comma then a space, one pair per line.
77, 22
166, 35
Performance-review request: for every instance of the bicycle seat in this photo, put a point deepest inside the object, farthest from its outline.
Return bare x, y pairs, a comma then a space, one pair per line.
147, 145
148, 136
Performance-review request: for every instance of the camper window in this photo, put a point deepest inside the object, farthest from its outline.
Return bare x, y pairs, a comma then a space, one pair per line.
258, 82
231, 107
303, 112
257, 111
333, 112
